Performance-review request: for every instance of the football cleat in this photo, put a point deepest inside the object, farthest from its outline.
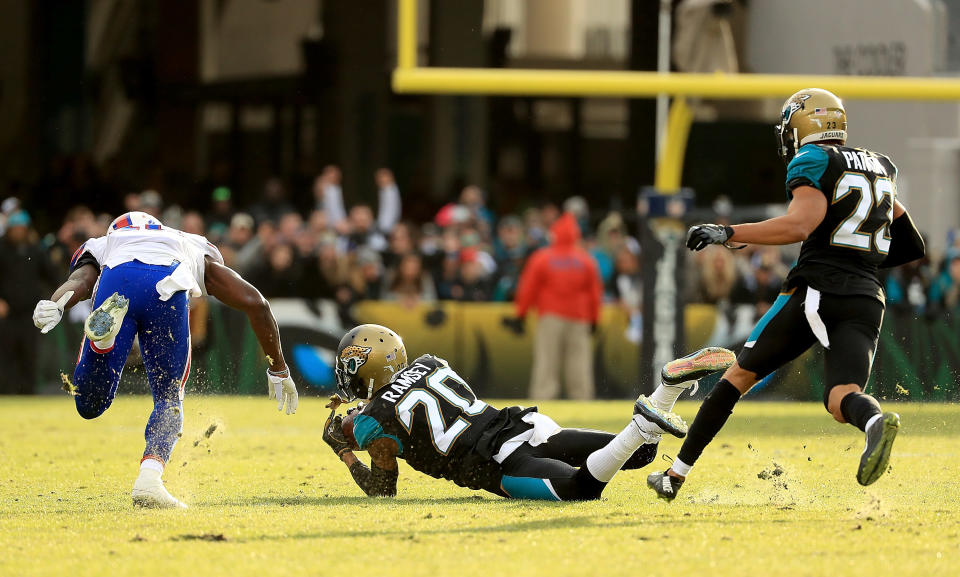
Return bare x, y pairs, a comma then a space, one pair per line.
876, 453
105, 321
665, 486
149, 493
696, 365
653, 421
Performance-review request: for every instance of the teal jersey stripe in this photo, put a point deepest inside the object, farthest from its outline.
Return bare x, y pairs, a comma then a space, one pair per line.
765, 320
366, 429
528, 488
809, 164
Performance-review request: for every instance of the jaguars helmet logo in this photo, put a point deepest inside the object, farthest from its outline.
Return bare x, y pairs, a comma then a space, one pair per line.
353, 357
793, 105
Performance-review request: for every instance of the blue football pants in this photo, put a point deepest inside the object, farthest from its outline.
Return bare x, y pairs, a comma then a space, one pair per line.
163, 329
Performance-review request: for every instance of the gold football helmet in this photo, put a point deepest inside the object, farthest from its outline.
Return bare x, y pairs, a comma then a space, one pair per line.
810, 115
367, 358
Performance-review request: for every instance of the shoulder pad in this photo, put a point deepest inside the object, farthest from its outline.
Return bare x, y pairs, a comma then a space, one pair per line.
428, 358
807, 167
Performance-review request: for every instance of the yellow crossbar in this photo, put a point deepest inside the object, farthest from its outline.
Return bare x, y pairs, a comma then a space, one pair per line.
528, 82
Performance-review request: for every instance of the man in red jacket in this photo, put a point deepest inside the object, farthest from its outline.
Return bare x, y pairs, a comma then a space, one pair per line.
562, 283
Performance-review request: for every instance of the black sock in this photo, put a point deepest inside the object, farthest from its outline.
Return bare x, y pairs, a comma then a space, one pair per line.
858, 409
713, 413
588, 486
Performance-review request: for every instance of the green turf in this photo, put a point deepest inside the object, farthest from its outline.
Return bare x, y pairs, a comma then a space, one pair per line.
285, 506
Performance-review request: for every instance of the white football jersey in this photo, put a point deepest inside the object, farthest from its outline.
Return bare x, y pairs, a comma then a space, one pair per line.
157, 245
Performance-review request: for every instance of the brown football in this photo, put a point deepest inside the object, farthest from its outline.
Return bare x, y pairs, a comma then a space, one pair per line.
347, 427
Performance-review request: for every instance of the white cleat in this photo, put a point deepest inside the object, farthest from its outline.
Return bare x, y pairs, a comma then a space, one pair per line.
105, 321
150, 493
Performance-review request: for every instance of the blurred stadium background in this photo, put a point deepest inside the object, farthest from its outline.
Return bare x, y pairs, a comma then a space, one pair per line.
273, 127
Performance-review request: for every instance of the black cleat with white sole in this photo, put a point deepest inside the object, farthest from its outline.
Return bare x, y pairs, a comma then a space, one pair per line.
665, 486
876, 454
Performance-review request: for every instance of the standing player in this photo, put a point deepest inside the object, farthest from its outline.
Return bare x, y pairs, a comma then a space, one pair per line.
427, 415
844, 209
141, 275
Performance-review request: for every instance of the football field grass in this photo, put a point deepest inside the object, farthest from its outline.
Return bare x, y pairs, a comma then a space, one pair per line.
774, 495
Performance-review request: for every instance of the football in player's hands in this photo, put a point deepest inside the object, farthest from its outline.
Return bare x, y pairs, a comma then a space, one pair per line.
346, 425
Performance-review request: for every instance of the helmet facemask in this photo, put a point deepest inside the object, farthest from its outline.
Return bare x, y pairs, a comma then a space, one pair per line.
349, 384
786, 141
344, 389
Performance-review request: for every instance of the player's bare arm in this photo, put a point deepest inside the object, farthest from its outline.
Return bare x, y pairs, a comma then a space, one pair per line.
805, 213
81, 282
232, 290
380, 478
78, 287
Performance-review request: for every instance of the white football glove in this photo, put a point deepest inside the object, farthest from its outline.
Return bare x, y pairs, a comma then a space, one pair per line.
284, 391
47, 314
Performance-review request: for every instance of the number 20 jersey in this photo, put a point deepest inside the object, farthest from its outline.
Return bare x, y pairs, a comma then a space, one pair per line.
842, 255
441, 427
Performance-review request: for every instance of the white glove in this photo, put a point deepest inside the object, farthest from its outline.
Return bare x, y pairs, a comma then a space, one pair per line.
284, 391
47, 314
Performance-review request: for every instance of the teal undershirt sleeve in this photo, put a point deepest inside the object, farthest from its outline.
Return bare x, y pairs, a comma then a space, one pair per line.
807, 167
366, 429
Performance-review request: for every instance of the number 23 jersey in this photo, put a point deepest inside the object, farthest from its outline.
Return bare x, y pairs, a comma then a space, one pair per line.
842, 255
440, 426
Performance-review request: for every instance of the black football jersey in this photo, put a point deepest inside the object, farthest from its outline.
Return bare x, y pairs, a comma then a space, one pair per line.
439, 424
842, 255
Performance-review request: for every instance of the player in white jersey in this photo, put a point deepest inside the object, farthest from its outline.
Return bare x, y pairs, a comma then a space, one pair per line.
140, 276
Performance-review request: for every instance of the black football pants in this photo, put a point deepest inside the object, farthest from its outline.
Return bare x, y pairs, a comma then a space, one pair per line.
556, 470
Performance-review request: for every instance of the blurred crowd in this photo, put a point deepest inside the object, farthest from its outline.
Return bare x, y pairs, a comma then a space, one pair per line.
348, 251
929, 287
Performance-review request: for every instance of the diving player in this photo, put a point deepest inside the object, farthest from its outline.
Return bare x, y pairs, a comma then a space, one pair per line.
427, 415
141, 275
844, 209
